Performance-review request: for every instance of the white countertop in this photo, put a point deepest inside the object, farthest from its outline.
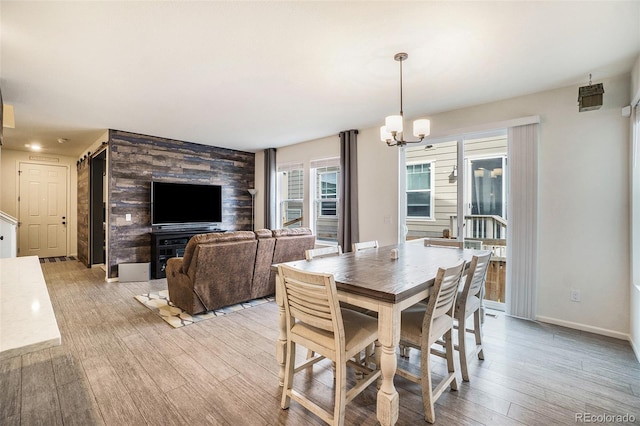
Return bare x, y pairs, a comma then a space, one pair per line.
27, 321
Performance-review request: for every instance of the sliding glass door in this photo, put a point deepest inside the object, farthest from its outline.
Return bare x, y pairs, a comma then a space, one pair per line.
457, 188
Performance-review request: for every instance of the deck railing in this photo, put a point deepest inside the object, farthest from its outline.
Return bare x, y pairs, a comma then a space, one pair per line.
297, 220
480, 226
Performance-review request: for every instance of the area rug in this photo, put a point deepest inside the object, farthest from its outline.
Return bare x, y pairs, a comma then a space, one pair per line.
159, 303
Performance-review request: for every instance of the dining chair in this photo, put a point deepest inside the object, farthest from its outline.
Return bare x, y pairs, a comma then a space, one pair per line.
364, 245
323, 252
421, 326
434, 242
468, 302
316, 253
355, 247
443, 242
315, 320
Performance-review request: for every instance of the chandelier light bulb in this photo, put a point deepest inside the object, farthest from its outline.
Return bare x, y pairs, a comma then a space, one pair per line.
385, 136
421, 128
393, 123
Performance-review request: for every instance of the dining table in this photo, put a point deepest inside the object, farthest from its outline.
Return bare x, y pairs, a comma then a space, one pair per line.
386, 280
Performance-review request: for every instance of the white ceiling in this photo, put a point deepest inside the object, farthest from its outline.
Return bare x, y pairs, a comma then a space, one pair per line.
252, 75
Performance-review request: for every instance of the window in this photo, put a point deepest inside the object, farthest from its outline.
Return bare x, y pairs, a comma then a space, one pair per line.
487, 188
290, 195
325, 180
419, 192
328, 192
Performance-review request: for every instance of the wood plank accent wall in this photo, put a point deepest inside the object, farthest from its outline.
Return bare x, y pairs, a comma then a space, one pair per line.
83, 212
135, 160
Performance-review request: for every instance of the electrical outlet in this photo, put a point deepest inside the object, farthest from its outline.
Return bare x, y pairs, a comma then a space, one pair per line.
127, 217
575, 295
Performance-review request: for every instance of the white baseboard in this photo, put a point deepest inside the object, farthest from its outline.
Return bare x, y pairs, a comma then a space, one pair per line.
635, 348
588, 328
112, 280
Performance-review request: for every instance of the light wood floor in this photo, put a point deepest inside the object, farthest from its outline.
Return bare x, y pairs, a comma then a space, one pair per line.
120, 364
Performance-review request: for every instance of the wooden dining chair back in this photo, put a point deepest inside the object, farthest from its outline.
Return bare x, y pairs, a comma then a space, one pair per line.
323, 252
364, 245
315, 320
468, 303
423, 325
443, 242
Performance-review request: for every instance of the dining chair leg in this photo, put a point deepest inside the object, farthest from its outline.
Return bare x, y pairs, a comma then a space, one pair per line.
477, 320
368, 354
425, 384
288, 375
462, 347
377, 355
451, 366
404, 351
340, 395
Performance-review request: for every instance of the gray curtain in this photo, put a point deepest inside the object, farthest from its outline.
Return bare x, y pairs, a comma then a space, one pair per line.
270, 188
348, 206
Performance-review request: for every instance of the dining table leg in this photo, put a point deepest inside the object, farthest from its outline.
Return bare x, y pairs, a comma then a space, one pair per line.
388, 337
281, 344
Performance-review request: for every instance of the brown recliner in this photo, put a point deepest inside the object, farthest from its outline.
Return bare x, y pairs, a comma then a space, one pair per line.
222, 269
216, 271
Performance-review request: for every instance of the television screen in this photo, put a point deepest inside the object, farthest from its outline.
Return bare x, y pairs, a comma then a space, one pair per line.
183, 203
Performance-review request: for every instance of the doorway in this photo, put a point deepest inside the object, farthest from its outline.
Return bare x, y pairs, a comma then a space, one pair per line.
42, 210
97, 209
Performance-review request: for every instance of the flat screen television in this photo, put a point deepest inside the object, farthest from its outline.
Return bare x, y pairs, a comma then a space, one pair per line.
185, 204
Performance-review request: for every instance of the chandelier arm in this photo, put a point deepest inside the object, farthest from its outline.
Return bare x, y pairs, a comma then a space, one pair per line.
403, 142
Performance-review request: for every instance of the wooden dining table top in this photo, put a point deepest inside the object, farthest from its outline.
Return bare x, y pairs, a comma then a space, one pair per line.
374, 274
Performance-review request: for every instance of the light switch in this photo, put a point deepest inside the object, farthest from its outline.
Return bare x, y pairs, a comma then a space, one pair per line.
127, 217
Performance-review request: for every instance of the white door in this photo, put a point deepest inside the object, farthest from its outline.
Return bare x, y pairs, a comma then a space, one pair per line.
42, 210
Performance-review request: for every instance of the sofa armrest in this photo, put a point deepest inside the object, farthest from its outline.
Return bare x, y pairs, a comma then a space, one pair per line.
174, 264
180, 287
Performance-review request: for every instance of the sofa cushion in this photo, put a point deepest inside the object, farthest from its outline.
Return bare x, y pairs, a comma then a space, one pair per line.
210, 238
292, 243
264, 255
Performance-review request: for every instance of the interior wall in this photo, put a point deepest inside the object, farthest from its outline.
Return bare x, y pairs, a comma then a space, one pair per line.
583, 198
9, 177
634, 287
635, 82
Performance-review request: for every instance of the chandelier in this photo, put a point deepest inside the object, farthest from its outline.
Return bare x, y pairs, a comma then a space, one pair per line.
391, 132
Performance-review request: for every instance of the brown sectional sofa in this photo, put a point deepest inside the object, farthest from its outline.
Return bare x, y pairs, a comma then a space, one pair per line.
221, 269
